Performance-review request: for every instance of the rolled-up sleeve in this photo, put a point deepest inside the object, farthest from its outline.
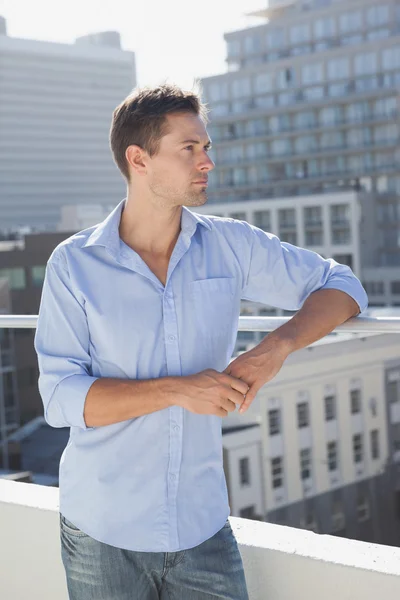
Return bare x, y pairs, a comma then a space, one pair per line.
282, 275
62, 346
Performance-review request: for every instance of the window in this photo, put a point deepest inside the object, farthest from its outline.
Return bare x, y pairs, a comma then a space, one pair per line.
275, 38
277, 472
299, 33
314, 93
280, 146
305, 143
241, 216
338, 68
262, 219
248, 513
357, 448
233, 48
239, 176
324, 28
363, 513
274, 419
313, 216
340, 214
285, 78
337, 516
341, 236
350, 21
374, 444
355, 401
366, 64
16, 277
241, 87
344, 259
38, 274
332, 139
252, 44
378, 15
218, 91
290, 237
303, 417
312, 73
256, 150
287, 217
391, 58
313, 238
262, 83
244, 468
332, 456
393, 389
396, 437
395, 287
305, 463
305, 119
330, 408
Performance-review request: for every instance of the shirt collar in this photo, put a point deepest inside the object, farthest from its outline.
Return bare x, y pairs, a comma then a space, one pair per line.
107, 232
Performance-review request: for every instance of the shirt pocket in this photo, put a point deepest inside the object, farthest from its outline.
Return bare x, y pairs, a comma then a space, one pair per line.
213, 301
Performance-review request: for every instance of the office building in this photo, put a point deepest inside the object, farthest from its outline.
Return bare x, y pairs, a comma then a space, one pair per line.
56, 103
309, 107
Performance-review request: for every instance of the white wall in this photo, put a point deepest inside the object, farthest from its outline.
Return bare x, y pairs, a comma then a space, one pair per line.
281, 563
327, 249
334, 364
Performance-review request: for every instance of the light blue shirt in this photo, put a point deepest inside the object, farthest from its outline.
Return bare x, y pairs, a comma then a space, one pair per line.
156, 483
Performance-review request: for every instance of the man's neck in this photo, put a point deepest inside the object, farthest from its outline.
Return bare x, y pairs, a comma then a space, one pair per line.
150, 228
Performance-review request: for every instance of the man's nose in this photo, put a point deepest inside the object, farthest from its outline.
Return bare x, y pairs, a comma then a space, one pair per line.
207, 164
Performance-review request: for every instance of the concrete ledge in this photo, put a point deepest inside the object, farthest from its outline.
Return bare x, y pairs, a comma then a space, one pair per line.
281, 563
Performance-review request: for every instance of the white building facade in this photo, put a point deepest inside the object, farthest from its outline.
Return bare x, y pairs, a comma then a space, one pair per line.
329, 429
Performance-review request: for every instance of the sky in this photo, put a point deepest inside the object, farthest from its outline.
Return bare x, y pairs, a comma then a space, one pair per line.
174, 40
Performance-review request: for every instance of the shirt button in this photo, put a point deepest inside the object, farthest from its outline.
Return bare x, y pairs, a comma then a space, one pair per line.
176, 427
171, 338
172, 476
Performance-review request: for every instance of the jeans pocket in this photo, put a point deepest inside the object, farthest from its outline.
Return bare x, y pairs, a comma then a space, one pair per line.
70, 528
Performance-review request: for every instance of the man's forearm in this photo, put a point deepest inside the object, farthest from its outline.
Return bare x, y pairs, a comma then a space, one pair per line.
113, 400
320, 314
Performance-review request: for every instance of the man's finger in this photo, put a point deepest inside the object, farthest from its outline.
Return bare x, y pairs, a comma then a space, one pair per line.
238, 384
251, 394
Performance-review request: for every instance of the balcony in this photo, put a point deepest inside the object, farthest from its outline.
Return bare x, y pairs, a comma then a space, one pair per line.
323, 565
319, 565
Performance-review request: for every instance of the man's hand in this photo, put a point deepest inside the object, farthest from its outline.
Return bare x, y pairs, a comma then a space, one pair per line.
209, 393
258, 366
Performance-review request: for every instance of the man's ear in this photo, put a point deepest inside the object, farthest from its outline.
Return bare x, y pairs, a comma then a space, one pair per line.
136, 159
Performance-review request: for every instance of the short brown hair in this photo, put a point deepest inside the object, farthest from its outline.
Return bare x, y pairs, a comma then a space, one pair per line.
140, 119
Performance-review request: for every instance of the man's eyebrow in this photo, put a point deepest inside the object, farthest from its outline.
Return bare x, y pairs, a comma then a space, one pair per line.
195, 142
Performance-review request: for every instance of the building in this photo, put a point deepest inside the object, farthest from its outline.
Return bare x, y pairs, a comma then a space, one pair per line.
9, 405
22, 269
310, 107
326, 432
56, 104
76, 217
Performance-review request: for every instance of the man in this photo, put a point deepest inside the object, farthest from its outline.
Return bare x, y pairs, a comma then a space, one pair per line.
137, 325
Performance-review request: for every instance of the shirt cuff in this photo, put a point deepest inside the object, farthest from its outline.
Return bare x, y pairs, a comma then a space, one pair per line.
70, 397
353, 289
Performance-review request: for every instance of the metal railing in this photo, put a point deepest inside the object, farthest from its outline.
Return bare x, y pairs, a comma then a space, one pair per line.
263, 324
353, 325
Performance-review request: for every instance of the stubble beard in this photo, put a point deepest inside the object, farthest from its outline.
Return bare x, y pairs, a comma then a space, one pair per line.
167, 196
196, 199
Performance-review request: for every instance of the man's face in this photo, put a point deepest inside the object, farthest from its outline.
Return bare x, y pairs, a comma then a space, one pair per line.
178, 173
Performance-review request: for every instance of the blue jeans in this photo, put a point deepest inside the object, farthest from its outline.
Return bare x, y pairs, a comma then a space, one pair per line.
212, 570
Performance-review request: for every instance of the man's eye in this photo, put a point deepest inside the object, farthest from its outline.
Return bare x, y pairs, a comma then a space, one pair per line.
188, 148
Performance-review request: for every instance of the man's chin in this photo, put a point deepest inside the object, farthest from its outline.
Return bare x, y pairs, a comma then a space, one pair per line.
197, 199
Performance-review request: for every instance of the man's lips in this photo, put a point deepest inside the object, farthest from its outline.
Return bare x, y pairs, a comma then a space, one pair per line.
203, 182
